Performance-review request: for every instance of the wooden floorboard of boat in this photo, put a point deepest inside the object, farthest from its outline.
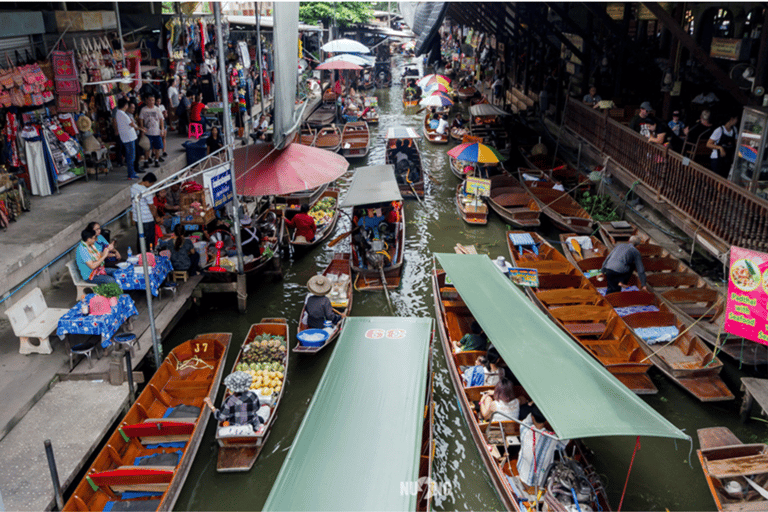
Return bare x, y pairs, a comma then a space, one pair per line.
706, 388
638, 383
714, 437
237, 459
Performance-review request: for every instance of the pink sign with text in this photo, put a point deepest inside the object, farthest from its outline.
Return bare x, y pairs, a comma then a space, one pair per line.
747, 295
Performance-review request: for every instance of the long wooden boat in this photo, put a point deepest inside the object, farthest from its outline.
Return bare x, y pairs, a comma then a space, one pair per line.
410, 103
238, 451
574, 304
729, 465
328, 138
453, 322
432, 135
372, 103
307, 136
274, 227
557, 168
563, 210
398, 357
169, 410
324, 227
513, 203
686, 293
355, 139
323, 115
458, 134
472, 209
377, 261
465, 93
410, 180
340, 296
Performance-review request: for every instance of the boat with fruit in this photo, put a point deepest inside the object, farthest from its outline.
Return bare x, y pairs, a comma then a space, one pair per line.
344, 457
339, 273
325, 211
133, 471
264, 356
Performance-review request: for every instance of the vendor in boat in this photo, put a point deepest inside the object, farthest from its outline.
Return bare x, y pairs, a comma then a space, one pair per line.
458, 122
620, 263
304, 224
442, 125
242, 406
537, 449
371, 222
475, 340
255, 239
317, 306
410, 91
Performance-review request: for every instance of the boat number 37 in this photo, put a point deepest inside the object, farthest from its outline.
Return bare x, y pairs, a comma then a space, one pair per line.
392, 334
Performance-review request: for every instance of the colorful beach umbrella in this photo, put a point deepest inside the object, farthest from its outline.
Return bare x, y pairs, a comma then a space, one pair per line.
476, 152
436, 100
435, 87
430, 79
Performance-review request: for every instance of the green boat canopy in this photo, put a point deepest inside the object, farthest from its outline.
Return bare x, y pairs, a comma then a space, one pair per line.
360, 439
372, 184
575, 393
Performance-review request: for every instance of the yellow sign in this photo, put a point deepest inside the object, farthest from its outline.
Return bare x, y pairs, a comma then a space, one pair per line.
725, 48
478, 186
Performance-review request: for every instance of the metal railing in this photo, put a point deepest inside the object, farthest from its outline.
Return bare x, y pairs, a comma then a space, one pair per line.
731, 213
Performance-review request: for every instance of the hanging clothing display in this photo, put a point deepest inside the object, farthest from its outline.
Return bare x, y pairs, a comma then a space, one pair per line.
39, 174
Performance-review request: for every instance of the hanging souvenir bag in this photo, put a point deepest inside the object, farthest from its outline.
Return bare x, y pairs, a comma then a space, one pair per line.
18, 79
6, 80
37, 99
5, 98
17, 97
65, 70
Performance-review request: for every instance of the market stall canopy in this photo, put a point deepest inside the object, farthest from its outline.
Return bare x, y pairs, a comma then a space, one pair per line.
486, 109
576, 394
261, 170
372, 184
266, 22
345, 46
337, 64
426, 23
401, 132
348, 57
361, 436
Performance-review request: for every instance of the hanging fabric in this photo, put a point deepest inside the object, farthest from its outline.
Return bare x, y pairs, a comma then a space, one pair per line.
65, 70
11, 132
36, 165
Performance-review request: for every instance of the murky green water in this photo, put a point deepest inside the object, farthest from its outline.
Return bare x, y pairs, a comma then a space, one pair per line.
665, 475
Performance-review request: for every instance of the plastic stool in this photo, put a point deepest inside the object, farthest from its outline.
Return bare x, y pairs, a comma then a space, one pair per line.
83, 349
195, 130
126, 339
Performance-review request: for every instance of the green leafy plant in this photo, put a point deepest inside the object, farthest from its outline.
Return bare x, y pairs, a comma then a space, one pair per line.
599, 207
108, 290
343, 13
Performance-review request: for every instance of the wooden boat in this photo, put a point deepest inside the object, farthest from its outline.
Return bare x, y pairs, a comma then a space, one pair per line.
323, 230
687, 294
340, 296
557, 169
170, 409
513, 203
472, 209
307, 136
355, 139
563, 210
729, 465
410, 103
410, 178
487, 121
465, 93
239, 452
291, 203
576, 252
574, 304
329, 96
458, 133
323, 115
453, 321
432, 135
377, 262
328, 138
687, 360
372, 116
272, 226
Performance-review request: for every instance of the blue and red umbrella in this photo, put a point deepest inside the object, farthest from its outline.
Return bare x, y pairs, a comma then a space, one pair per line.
476, 152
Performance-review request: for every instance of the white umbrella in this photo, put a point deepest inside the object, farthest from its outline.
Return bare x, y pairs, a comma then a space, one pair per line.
352, 59
345, 46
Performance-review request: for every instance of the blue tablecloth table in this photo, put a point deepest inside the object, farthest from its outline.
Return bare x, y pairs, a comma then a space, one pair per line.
130, 280
73, 321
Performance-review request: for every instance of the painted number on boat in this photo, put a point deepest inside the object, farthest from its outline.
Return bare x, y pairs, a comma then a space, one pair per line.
202, 348
392, 334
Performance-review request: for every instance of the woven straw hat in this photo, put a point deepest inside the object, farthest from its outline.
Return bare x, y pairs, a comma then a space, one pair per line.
84, 123
238, 382
319, 285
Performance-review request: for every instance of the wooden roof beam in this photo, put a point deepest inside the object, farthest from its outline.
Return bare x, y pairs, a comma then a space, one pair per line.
697, 52
575, 26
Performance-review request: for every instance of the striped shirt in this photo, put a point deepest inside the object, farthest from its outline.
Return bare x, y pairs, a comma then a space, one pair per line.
533, 468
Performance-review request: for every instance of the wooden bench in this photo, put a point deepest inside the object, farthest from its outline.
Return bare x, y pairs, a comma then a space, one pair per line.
32, 318
81, 284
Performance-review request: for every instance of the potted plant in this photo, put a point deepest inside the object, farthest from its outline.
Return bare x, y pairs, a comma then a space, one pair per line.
112, 291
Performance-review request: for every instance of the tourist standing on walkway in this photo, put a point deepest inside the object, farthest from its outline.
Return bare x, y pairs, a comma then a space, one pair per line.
151, 118
146, 214
126, 128
723, 146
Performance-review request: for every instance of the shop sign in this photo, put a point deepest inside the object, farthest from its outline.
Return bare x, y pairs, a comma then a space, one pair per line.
524, 276
725, 48
478, 186
745, 307
218, 184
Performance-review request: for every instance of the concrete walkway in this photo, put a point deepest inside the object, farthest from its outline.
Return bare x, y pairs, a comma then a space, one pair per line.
74, 416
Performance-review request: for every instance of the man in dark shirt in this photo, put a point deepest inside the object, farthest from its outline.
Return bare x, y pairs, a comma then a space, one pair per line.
317, 305
620, 263
641, 122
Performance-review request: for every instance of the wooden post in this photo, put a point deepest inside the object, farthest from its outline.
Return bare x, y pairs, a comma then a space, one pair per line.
242, 294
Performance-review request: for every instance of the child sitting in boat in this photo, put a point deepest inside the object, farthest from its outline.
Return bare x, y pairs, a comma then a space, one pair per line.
242, 406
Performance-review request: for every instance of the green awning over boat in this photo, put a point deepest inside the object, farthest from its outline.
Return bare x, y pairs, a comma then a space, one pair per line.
361, 436
372, 184
575, 393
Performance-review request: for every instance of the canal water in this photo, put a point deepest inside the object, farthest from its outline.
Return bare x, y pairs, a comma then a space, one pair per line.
665, 474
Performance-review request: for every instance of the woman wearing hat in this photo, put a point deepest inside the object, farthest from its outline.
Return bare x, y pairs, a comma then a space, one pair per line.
242, 407
317, 306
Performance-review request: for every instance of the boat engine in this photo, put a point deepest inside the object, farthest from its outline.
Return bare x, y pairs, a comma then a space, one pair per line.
376, 254
567, 477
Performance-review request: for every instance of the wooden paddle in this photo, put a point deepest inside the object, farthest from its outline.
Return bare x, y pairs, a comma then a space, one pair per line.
384, 284
342, 237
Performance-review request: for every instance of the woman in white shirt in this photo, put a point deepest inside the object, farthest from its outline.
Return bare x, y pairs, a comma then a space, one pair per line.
501, 405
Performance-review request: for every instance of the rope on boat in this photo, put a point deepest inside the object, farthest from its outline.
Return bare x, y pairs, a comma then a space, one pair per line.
637, 447
685, 331
193, 362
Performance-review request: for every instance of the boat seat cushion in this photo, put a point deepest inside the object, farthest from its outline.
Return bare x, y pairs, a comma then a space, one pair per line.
182, 411
131, 506
653, 335
159, 459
